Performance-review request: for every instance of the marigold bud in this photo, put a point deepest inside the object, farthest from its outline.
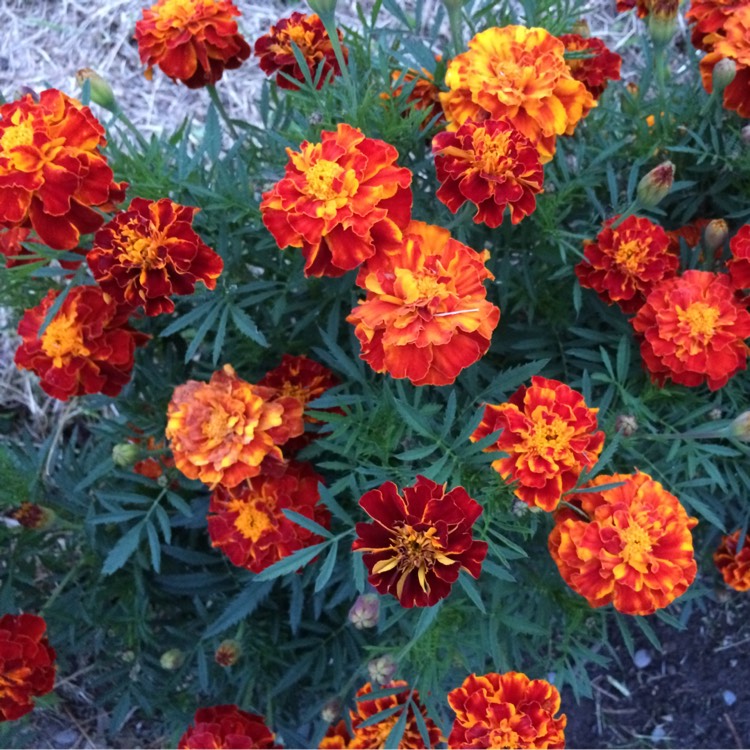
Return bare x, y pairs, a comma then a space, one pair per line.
365, 611
382, 669
228, 653
662, 20
723, 74
33, 516
582, 28
125, 454
715, 234
655, 185
331, 711
101, 91
627, 424
740, 427
172, 660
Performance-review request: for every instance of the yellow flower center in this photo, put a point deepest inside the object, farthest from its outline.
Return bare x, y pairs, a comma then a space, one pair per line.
138, 250
320, 178
251, 522
491, 153
63, 340
378, 733
300, 392
11, 680
177, 10
219, 425
635, 542
300, 36
419, 288
700, 318
631, 254
21, 134
554, 437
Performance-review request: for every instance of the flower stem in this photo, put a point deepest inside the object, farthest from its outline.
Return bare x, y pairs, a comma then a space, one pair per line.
454, 18
329, 21
214, 95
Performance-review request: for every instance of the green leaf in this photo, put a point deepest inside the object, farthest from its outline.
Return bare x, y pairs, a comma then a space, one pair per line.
242, 606
246, 325
395, 735
327, 569
293, 563
468, 585
221, 333
307, 523
155, 547
200, 334
426, 618
123, 550
185, 320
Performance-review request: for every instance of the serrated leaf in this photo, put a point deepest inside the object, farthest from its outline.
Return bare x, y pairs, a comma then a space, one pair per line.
200, 334
307, 523
185, 320
396, 734
293, 563
155, 547
246, 325
327, 569
243, 605
471, 590
123, 550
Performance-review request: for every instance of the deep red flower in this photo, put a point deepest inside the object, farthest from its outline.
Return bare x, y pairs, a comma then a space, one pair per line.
693, 330
337, 737
192, 41
625, 262
309, 34
549, 434
707, 17
506, 710
226, 727
88, 347
340, 200
739, 265
626, 5
247, 522
692, 233
490, 164
419, 541
27, 664
52, 172
593, 72
151, 252
12, 243
734, 566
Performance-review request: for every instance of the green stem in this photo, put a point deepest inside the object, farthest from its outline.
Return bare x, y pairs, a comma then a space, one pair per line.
329, 21
214, 96
454, 18
61, 586
629, 211
125, 120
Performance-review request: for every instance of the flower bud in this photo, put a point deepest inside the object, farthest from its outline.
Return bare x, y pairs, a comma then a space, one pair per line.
627, 424
382, 669
331, 711
227, 653
125, 454
715, 414
365, 611
33, 516
582, 28
740, 427
662, 20
655, 185
101, 91
715, 234
723, 74
172, 660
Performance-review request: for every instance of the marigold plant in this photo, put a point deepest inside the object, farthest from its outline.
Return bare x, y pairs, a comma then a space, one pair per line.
227, 727
424, 94
597, 68
734, 566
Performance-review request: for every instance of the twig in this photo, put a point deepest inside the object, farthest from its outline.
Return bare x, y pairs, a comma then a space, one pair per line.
732, 645
733, 730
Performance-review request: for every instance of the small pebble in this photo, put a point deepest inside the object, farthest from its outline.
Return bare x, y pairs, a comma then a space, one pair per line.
658, 734
66, 738
729, 697
733, 662
641, 658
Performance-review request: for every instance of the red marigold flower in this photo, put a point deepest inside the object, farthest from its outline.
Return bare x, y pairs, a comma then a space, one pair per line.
490, 164
337, 737
549, 434
309, 34
734, 566
151, 467
625, 262
376, 734
52, 173
506, 710
227, 726
732, 43
339, 201
694, 330
248, 524
419, 542
708, 18
534, 88
87, 347
739, 265
635, 549
424, 95
596, 71
642, 5
425, 316
11, 246
150, 252
192, 41
691, 233
27, 668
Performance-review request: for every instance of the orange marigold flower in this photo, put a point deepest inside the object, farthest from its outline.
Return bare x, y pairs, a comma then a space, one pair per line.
339, 200
375, 735
625, 262
691, 233
425, 316
192, 41
549, 434
419, 542
733, 43
596, 71
694, 330
518, 73
739, 265
734, 566
27, 664
87, 347
492, 165
52, 173
634, 550
221, 432
707, 17
152, 467
309, 34
424, 95
150, 252
506, 710
337, 737
248, 524
227, 727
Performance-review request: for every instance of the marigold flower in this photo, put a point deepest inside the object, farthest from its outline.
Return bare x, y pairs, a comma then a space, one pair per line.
521, 74
151, 467
32, 516
87, 347
375, 735
192, 41
739, 265
247, 522
506, 710
27, 664
596, 71
734, 566
424, 95
52, 173
707, 17
420, 541
150, 252
693, 330
425, 316
624, 262
309, 34
691, 233
339, 200
490, 164
642, 6
635, 549
226, 727
337, 736
11, 246
222, 431
548, 432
